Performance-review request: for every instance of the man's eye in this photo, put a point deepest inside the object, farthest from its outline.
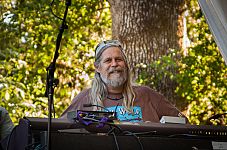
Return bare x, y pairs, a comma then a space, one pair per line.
107, 60
119, 59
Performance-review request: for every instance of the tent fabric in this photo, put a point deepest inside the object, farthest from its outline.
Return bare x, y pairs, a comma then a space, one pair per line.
215, 13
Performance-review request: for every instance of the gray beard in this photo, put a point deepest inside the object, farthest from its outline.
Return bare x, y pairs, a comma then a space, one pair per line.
116, 82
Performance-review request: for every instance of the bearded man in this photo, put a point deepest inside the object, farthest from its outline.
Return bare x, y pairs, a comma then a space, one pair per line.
112, 89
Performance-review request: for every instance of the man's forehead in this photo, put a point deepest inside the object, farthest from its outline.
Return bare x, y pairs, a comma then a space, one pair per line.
112, 52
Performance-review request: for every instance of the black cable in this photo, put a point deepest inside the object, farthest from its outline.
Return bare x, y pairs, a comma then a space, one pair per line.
95, 121
115, 140
51, 10
102, 107
137, 138
106, 123
42, 148
112, 132
31, 146
146, 133
113, 127
93, 105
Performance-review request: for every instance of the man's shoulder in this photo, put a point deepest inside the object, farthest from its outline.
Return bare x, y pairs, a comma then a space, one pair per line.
146, 91
143, 88
84, 92
3, 111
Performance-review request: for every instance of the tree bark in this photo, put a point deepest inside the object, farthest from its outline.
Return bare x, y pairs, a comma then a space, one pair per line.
148, 30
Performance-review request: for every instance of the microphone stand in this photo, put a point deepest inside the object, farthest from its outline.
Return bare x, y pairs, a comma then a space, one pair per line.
51, 81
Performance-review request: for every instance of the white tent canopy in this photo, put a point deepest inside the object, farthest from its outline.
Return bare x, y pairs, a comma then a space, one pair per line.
215, 12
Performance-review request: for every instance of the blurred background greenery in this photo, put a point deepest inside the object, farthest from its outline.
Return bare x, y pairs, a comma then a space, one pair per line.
28, 33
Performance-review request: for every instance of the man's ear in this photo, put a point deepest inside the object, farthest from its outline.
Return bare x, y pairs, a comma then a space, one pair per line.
96, 68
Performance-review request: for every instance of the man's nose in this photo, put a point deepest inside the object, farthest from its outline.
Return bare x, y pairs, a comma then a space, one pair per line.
114, 63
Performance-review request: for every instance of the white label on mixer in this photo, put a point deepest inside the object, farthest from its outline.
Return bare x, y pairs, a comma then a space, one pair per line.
219, 145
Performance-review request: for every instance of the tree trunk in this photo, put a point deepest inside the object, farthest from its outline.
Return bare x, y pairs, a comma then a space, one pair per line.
148, 30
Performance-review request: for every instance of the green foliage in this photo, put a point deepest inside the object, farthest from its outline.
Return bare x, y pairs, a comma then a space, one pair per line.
163, 70
202, 75
28, 42
28, 33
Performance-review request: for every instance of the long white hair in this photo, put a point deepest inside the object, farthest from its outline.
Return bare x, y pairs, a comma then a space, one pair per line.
99, 89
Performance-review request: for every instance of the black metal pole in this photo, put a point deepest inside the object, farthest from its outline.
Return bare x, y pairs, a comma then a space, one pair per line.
51, 82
